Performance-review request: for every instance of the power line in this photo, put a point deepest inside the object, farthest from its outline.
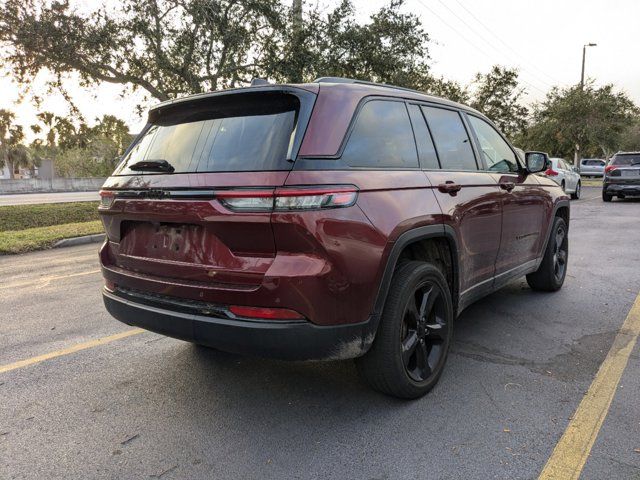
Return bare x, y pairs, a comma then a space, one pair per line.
492, 33
531, 73
474, 45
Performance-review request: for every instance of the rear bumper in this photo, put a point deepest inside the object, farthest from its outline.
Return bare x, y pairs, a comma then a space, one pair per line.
299, 340
622, 189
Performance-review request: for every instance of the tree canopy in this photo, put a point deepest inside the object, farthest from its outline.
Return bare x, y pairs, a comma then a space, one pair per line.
593, 118
498, 95
174, 47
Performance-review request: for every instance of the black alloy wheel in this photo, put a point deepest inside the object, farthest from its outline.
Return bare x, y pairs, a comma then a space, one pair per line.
560, 253
425, 332
410, 349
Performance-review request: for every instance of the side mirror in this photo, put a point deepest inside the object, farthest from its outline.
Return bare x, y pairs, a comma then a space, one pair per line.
536, 161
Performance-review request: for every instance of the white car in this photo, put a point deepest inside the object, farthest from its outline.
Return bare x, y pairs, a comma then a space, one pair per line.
565, 175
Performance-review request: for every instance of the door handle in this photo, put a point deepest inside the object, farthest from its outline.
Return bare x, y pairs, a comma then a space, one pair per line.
508, 186
450, 187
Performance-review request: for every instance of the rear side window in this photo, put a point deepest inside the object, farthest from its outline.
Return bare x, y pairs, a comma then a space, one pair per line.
382, 137
426, 149
451, 139
225, 135
626, 160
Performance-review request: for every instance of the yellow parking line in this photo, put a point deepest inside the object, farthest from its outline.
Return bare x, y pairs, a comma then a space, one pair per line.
44, 281
574, 447
66, 351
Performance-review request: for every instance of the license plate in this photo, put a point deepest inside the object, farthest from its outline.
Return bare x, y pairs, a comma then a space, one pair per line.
630, 173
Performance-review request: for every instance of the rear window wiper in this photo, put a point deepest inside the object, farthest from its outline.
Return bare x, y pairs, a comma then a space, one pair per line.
152, 165
635, 162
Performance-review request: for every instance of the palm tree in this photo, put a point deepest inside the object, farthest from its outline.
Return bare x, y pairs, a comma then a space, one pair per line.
14, 157
12, 153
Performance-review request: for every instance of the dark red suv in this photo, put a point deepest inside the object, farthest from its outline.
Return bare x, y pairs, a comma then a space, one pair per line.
331, 220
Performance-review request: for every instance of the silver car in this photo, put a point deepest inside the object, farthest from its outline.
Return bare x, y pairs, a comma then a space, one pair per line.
592, 167
565, 175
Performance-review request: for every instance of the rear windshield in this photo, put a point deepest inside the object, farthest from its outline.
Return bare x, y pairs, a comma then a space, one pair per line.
597, 163
626, 159
231, 133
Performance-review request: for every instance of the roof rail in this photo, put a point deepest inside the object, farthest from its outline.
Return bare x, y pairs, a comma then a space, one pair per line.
363, 82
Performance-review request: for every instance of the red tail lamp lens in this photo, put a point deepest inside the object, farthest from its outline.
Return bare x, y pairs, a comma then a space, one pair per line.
289, 198
608, 168
551, 172
265, 313
106, 198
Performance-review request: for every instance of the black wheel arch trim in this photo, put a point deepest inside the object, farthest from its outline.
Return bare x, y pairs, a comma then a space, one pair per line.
414, 235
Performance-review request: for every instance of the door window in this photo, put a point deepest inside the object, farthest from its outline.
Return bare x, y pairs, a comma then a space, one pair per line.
382, 137
426, 149
450, 138
495, 151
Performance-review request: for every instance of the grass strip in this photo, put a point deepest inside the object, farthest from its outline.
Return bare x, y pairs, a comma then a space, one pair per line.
27, 240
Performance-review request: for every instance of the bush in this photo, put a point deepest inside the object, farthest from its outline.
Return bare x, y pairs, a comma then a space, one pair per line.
21, 217
86, 162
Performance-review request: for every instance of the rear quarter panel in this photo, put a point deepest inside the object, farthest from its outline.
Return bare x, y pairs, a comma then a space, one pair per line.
390, 202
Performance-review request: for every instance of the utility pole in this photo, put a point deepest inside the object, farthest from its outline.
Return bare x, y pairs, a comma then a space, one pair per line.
576, 152
584, 54
296, 20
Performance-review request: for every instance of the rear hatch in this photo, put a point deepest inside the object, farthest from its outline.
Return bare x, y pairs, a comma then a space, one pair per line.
164, 208
624, 169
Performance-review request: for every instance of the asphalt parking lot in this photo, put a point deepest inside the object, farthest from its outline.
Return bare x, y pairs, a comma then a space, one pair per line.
139, 405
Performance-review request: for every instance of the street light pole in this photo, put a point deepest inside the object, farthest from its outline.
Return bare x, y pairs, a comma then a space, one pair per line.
584, 53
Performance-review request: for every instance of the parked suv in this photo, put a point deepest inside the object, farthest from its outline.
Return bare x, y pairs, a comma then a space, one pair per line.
622, 176
592, 167
330, 220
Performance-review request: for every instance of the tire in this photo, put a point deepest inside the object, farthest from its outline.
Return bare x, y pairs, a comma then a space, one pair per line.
605, 197
552, 271
414, 335
576, 195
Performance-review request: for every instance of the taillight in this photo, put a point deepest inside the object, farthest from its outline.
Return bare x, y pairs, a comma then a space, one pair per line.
249, 200
109, 285
265, 313
550, 172
288, 198
106, 198
608, 168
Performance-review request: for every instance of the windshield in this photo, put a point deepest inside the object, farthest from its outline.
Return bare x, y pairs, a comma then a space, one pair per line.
239, 133
626, 159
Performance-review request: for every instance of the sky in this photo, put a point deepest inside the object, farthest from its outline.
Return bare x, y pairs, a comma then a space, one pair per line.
542, 38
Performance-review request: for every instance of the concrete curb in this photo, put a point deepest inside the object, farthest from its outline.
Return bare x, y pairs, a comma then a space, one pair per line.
72, 242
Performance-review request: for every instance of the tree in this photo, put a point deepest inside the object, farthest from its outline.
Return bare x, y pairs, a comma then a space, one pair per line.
166, 47
79, 149
12, 153
175, 47
498, 95
630, 139
583, 122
